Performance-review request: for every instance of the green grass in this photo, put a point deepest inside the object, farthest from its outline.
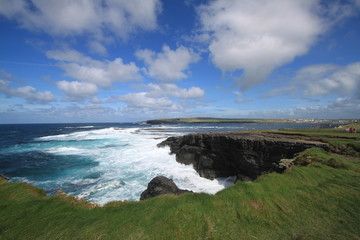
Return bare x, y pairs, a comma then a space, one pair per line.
339, 140
319, 201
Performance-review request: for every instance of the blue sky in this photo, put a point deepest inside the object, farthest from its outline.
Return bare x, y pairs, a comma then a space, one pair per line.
121, 61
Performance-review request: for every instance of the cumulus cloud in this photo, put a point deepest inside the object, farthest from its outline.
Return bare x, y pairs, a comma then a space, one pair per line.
97, 18
78, 91
259, 36
142, 100
157, 90
86, 69
159, 99
168, 65
159, 93
29, 93
323, 79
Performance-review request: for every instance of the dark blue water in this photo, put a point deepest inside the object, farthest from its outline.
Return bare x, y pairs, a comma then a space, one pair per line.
103, 161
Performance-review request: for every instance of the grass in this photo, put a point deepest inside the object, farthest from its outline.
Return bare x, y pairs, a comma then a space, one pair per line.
318, 198
339, 140
319, 201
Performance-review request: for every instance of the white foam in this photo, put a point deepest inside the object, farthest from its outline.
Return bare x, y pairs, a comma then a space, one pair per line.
68, 151
80, 127
128, 159
85, 127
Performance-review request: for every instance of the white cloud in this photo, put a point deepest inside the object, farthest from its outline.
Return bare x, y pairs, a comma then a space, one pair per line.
158, 100
29, 93
323, 79
157, 90
168, 65
141, 100
102, 74
69, 56
259, 36
97, 18
78, 91
97, 48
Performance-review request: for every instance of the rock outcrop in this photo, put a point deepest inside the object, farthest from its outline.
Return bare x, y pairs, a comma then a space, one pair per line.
3, 177
161, 185
245, 155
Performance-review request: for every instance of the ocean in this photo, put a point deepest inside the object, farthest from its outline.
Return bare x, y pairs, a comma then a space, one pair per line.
104, 162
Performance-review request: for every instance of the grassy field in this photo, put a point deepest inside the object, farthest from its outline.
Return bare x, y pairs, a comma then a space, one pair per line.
317, 199
339, 140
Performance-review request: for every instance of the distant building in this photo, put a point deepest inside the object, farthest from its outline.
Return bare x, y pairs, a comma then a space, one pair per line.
351, 130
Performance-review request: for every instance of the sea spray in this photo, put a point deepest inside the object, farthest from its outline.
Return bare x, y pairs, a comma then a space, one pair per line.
107, 164
104, 162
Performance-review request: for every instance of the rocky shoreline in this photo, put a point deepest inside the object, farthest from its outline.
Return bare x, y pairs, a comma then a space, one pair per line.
245, 155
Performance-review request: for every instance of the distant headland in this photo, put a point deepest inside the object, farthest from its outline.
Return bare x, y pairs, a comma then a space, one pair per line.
248, 120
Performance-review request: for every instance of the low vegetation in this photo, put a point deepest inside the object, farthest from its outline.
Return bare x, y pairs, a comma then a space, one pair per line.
340, 141
317, 198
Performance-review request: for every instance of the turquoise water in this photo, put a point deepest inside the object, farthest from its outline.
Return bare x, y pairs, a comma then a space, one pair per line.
103, 162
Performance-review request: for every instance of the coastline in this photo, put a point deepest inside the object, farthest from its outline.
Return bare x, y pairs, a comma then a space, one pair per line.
274, 206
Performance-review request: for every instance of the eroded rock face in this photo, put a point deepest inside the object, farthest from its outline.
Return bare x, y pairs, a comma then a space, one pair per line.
245, 155
161, 185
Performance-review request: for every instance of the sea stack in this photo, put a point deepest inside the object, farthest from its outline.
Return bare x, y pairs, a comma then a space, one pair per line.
161, 185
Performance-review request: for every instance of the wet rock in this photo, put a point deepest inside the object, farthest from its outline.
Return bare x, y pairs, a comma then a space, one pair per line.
161, 185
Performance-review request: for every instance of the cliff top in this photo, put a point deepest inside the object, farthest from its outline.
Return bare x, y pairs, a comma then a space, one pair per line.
268, 136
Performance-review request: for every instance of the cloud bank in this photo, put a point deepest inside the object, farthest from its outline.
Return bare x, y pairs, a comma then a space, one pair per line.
97, 18
260, 36
78, 91
323, 79
101, 73
29, 93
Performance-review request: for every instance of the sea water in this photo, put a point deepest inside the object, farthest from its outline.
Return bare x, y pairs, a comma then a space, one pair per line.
104, 162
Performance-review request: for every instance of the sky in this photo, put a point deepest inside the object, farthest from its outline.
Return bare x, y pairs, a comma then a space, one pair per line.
124, 61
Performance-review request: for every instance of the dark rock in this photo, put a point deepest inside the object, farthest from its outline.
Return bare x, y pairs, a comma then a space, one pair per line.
245, 155
3, 177
161, 185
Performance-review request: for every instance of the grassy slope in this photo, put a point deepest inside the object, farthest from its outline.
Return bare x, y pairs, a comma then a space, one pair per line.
316, 202
320, 201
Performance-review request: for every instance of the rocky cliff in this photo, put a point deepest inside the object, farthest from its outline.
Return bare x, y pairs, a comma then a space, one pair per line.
245, 155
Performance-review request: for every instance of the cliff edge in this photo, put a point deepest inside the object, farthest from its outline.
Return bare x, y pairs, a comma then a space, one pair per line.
245, 155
